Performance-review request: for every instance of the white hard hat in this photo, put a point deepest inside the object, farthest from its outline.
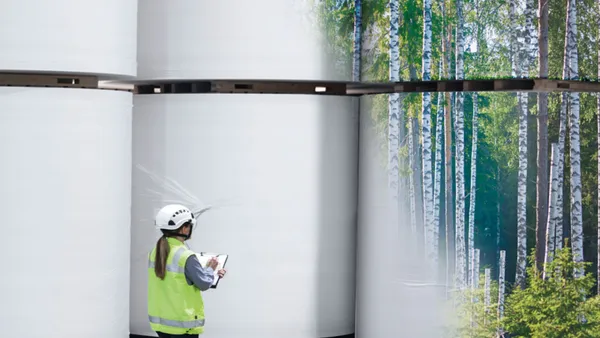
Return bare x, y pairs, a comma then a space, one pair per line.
173, 216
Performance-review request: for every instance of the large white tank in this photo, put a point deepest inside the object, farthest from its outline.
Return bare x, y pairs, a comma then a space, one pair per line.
285, 170
231, 39
65, 205
75, 36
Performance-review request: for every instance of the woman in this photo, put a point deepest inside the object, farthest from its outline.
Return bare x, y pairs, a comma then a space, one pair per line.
175, 277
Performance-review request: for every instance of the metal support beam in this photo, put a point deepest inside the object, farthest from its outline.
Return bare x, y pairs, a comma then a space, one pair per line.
48, 80
338, 88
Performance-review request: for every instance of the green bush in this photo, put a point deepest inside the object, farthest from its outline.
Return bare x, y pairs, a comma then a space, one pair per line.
475, 320
556, 307
559, 306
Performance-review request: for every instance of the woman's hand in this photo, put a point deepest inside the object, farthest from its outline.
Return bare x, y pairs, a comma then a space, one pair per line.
222, 273
213, 263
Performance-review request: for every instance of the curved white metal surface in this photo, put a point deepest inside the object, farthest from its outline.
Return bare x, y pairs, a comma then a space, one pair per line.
95, 37
282, 170
65, 201
230, 39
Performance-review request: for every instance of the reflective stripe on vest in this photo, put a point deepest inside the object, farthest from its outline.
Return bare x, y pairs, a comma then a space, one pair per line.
174, 266
174, 323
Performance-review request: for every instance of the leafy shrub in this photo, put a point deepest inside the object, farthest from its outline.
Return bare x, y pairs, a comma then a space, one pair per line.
559, 306
556, 307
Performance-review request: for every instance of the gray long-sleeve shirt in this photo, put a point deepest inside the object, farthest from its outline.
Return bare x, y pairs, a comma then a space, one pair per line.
197, 275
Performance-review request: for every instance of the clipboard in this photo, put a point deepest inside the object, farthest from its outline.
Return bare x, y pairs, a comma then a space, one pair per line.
204, 257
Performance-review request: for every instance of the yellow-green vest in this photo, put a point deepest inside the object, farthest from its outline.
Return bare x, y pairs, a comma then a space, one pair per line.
174, 306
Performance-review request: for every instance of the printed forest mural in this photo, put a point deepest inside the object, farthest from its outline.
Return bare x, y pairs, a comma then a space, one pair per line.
501, 187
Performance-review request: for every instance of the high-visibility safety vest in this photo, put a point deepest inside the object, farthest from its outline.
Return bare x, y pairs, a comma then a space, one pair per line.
174, 306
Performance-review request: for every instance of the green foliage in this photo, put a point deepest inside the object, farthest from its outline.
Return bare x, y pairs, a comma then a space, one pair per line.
376, 23
475, 320
411, 37
498, 121
336, 21
553, 307
546, 308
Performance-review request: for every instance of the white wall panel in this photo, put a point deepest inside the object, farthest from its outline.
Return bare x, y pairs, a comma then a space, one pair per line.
96, 37
65, 201
285, 169
230, 39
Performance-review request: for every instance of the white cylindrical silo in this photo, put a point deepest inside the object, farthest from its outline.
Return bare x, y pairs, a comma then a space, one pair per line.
283, 170
231, 39
65, 201
73, 36
396, 294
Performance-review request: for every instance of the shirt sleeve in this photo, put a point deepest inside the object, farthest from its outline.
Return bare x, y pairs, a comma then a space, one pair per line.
197, 275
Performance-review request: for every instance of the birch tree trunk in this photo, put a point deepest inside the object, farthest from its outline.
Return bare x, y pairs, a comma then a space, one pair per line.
523, 110
562, 132
473, 192
501, 287
474, 134
418, 183
426, 135
521, 68
542, 148
394, 104
486, 293
514, 48
438, 176
475, 269
498, 210
357, 40
559, 222
551, 221
574, 153
471, 268
448, 186
475, 278
460, 173
411, 184
530, 41
522, 198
